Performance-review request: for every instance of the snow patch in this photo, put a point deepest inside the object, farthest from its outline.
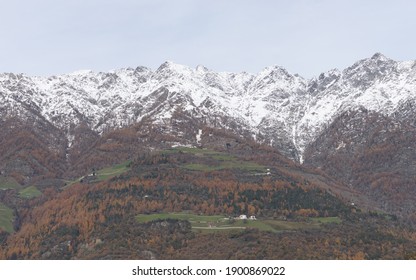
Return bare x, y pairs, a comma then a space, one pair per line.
340, 145
198, 136
179, 145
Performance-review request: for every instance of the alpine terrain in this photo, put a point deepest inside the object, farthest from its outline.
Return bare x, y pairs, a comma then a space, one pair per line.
153, 157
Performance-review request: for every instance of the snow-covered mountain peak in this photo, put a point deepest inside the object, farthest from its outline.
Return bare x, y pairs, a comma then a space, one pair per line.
379, 57
141, 69
174, 67
287, 110
201, 69
330, 74
83, 72
275, 78
275, 71
172, 71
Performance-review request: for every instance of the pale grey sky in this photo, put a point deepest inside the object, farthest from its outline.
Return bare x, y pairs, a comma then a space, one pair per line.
45, 37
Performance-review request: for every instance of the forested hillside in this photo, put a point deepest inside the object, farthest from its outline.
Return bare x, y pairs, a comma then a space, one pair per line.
297, 216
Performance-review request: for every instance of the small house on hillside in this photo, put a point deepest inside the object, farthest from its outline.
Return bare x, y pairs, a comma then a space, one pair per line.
89, 178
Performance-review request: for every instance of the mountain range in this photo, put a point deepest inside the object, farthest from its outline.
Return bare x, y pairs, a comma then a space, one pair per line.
83, 154
276, 107
52, 124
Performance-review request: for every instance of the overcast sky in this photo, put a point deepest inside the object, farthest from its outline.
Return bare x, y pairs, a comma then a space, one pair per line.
45, 37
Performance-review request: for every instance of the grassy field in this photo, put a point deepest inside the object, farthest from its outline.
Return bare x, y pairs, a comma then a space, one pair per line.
198, 222
204, 223
327, 220
179, 216
115, 170
195, 151
105, 173
229, 164
30, 192
6, 218
8, 183
222, 160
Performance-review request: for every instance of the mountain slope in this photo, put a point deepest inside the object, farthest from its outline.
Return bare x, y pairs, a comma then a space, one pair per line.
62, 127
373, 154
100, 220
339, 147
378, 83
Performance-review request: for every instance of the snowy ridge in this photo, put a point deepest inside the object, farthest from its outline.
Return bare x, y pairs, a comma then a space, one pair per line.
285, 110
378, 83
